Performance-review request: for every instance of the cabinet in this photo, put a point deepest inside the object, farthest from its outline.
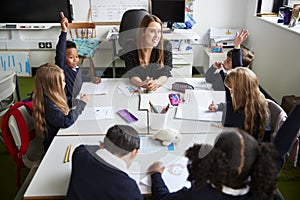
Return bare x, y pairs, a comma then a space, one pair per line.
182, 63
211, 58
182, 41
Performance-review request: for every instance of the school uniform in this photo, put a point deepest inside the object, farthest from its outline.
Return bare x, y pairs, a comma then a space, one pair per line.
283, 141
207, 191
73, 77
98, 174
134, 68
56, 119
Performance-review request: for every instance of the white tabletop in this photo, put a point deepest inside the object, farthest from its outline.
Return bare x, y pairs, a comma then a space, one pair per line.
118, 101
52, 177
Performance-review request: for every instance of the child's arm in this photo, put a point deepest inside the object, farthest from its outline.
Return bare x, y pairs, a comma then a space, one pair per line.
96, 80
60, 57
236, 53
210, 75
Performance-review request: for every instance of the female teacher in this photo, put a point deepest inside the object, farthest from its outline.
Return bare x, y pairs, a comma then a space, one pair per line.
148, 58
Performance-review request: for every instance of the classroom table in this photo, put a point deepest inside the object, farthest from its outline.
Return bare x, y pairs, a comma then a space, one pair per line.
52, 177
116, 99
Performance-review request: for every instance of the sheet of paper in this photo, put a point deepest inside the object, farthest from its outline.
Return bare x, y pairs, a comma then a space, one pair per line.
128, 89
92, 88
200, 84
175, 175
157, 99
97, 113
196, 102
149, 145
134, 171
187, 111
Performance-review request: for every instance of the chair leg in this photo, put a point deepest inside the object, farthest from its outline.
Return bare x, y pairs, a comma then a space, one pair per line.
92, 67
278, 195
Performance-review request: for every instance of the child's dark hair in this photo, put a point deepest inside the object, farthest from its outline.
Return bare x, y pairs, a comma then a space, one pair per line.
247, 57
236, 160
121, 139
70, 45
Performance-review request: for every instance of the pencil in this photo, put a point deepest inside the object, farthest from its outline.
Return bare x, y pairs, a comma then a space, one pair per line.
152, 107
165, 110
148, 124
67, 155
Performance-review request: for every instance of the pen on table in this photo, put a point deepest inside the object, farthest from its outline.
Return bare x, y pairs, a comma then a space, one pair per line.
152, 107
67, 155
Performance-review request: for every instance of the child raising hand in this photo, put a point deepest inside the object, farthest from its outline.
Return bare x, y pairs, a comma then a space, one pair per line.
67, 58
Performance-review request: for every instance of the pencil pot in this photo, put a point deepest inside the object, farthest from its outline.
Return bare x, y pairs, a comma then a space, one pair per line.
158, 121
287, 16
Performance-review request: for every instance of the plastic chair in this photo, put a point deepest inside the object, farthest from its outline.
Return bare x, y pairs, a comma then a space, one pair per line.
278, 116
7, 90
35, 151
24, 146
7, 93
84, 36
130, 21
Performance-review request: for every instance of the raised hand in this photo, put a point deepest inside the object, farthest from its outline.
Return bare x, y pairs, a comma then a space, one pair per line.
63, 22
240, 37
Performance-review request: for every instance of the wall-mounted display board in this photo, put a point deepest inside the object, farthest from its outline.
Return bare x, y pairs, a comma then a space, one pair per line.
111, 11
18, 61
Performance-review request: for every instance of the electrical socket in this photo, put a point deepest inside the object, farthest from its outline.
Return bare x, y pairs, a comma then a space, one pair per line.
48, 45
42, 45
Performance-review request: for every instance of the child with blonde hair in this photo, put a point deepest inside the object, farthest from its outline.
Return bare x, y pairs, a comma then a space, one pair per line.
50, 109
247, 108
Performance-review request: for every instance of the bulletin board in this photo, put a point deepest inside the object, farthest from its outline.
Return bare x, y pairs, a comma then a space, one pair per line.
111, 11
18, 61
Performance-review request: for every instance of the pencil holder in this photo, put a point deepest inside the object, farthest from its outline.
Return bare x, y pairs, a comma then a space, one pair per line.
158, 121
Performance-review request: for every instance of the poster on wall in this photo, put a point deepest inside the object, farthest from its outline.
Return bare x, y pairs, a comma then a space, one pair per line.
18, 61
189, 7
112, 10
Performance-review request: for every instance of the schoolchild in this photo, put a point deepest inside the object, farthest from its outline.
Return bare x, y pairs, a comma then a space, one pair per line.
67, 58
236, 167
237, 56
247, 108
50, 109
100, 171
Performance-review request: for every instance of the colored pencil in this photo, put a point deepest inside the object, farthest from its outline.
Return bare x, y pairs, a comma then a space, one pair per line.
67, 155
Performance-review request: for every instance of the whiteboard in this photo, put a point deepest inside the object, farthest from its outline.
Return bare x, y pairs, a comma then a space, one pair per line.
112, 10
18, 61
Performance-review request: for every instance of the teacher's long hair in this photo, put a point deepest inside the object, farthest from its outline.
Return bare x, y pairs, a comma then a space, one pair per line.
140, 40
48, 82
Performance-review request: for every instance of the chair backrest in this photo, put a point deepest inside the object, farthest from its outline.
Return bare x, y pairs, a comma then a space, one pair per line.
82, 30
84, 36
7, 90
19, 137
130, 21
278, 116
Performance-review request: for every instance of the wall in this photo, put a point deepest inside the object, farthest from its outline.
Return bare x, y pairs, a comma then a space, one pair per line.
228, 13
276, 50
277, 60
